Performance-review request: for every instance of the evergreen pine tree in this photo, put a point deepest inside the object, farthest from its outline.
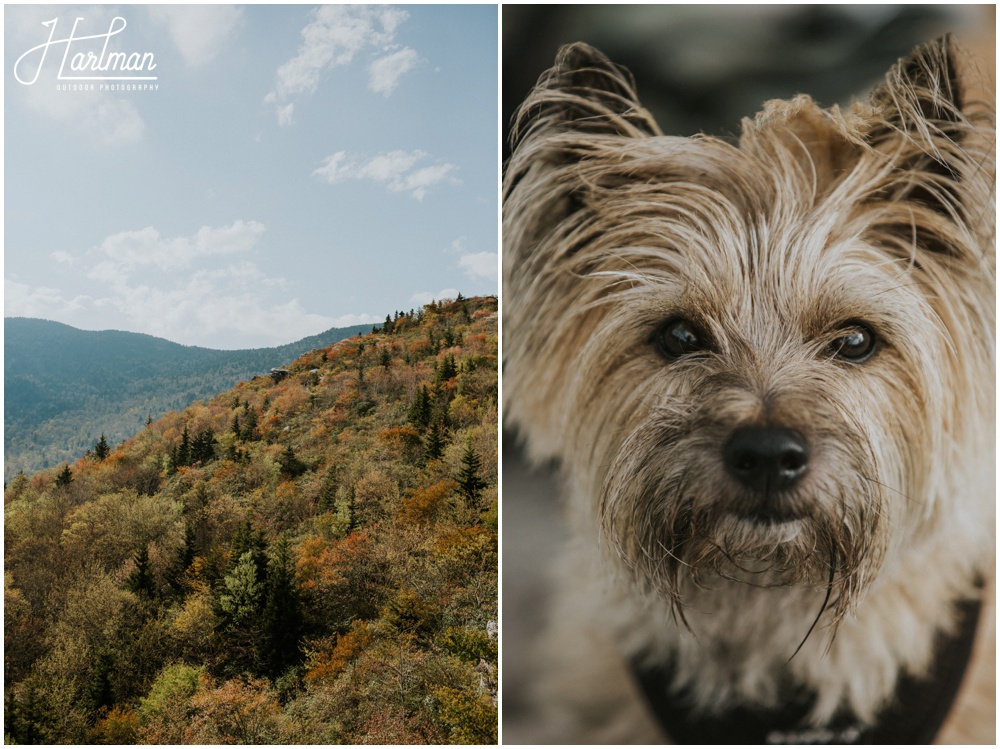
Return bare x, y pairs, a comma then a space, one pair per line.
65, 477
20, 483
351, 515
141, 580
290, 464
99, 691
101, 449
468, 477
281, 619
26, 715
448, 368
420, 409
181, 454
434, 442
246, 540
249, 433
203, 448
182, 560
242, 591
328, 492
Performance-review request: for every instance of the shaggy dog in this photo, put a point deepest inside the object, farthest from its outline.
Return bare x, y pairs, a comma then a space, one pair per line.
766, 368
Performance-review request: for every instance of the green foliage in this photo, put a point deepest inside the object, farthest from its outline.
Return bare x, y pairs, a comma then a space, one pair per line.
470, 717
434, 442
328, 493
242, 591
420, 411
291, 466
101, 449
141, 580
468, 478
280, 563
65, 477
470, 645
182, 560
281, 620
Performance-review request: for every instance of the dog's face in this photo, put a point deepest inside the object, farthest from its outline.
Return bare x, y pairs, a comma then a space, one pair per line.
764, 360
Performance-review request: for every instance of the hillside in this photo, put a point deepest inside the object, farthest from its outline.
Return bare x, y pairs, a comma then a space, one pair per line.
306, 558
64, 387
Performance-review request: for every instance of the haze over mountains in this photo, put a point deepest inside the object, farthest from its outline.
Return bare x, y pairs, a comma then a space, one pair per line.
65, 387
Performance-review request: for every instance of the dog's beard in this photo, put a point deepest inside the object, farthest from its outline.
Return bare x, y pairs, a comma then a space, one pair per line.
677, 524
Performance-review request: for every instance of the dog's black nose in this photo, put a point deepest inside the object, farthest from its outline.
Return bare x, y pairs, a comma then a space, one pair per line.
766, 459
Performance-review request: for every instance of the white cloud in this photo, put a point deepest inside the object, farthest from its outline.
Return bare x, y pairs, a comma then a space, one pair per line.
197, 290
286, 115
480, 266
198, 31
21, 300
426, 297
396, 170
384, 73
333, 38
131, 249
346, 321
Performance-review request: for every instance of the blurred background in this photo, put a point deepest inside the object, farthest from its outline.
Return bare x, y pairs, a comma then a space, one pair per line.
699, 68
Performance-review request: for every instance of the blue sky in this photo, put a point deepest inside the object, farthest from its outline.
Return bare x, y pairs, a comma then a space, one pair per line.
296, 168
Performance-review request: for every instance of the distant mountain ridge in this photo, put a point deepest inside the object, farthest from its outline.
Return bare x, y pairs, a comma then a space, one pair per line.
64, 387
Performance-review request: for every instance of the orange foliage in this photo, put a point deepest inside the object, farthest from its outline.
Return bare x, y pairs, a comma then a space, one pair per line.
326, 665
238, 712
291, 399
117, 726
320, 562
423, 504
399, 435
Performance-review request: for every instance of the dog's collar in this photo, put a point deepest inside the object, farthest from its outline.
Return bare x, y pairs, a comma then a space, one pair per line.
914, 716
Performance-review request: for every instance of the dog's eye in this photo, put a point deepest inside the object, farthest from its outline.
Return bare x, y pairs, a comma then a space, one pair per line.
679, 337
856, 345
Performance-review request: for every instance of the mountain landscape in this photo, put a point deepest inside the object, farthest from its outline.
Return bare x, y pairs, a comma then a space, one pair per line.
64, 387
307, 557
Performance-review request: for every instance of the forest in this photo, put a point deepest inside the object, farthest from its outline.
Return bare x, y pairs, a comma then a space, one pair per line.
310, 557
63, 387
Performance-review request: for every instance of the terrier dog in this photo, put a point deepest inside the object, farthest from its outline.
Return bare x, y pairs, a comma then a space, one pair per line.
766, 368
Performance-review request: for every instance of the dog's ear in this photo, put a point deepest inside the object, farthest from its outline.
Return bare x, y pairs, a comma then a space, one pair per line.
586, 93
919, 124
922, 96
920, 115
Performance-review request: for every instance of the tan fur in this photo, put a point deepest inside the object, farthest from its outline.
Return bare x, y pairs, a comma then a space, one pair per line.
815, 222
